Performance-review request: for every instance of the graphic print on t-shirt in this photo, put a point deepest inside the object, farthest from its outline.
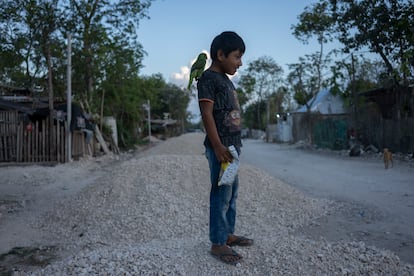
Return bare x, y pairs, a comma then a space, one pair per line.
232, 119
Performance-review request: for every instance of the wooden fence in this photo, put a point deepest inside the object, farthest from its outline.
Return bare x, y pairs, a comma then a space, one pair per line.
37, 142
8, 135
43, 143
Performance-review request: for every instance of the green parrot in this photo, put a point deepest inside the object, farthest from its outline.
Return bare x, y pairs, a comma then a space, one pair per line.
197, 68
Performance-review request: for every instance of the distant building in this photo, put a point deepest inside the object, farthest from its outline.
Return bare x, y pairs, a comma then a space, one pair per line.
325, 126
325, 103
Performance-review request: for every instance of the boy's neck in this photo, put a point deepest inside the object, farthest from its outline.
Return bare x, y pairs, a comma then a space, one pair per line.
216, 68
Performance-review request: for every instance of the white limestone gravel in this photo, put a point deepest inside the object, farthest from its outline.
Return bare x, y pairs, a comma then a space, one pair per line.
148, 215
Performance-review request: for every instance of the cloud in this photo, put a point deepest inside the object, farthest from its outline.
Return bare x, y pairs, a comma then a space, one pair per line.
181, 78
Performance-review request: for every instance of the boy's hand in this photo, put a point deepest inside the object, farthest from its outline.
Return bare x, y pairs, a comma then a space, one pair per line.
223, 154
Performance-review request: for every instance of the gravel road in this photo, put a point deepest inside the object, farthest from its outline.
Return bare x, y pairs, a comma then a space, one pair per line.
378, 204
146, 213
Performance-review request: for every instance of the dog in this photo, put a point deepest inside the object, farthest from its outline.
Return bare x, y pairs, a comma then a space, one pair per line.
388, 158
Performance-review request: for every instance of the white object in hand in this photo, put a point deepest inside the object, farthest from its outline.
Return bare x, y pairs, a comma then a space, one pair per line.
231, 170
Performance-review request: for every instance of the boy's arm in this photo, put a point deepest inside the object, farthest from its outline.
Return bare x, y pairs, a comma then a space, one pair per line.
222, 153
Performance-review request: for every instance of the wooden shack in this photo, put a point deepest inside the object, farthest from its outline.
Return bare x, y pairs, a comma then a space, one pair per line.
29, 133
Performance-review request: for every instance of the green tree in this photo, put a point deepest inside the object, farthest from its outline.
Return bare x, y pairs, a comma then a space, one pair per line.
305, 77
174, 101
262, 77
351, 75
315, 21
381, 26
28, 31
247, 85
277, 102
106, 58
357, 73
124, 100
305, 80
250, 115
106, 51
242, 96
97, 26
385, 29
39, 21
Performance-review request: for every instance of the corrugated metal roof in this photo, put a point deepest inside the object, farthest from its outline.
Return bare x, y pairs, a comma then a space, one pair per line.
325, 103
16, 106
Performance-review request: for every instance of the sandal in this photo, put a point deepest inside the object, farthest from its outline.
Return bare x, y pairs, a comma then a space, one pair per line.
228, 256
240, 241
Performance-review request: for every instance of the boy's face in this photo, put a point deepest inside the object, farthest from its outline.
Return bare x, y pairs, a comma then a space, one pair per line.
232, 62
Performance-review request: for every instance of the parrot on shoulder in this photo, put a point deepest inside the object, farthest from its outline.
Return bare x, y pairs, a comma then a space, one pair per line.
197, 68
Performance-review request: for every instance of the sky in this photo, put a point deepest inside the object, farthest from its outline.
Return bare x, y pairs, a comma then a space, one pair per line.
178, 30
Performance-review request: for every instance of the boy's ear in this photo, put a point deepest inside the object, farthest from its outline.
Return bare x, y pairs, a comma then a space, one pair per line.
220, 55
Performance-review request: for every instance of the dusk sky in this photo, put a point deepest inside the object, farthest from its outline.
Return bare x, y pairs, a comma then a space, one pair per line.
178, 30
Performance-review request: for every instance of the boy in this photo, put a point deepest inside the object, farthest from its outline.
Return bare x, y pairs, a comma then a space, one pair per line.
220, 112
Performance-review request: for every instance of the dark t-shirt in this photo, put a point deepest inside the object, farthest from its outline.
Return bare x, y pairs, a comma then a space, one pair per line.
219, 89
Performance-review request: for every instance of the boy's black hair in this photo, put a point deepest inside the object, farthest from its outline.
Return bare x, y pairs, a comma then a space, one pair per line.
227, 42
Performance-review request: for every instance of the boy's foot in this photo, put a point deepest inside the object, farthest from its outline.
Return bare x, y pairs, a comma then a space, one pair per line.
234, 240
225, 254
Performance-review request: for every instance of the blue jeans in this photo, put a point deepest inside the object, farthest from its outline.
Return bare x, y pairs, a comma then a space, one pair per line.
222, 203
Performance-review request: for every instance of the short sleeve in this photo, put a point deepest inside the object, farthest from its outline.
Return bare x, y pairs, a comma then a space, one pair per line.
205, 87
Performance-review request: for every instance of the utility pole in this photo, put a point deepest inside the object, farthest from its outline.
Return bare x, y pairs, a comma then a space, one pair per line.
147, 106
354, 94
149, 119
267, 118
69, 101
